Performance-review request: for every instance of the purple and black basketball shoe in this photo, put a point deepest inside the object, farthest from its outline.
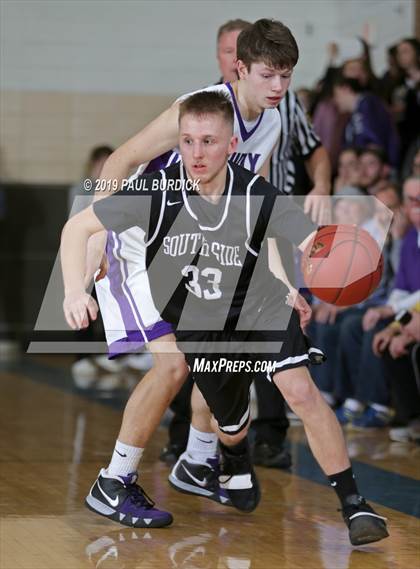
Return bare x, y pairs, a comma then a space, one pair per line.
120, 499
192, 477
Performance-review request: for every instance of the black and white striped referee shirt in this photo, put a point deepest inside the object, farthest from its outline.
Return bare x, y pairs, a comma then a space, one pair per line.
297, 139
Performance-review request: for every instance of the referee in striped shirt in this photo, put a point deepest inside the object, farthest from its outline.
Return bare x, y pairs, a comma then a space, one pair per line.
298, 140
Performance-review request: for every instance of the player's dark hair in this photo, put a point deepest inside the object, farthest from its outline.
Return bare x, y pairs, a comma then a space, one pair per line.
207, 103
233, 26
269, 41
352, 84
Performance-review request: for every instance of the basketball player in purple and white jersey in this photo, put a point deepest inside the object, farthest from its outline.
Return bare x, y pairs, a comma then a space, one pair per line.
267, 53
297, 140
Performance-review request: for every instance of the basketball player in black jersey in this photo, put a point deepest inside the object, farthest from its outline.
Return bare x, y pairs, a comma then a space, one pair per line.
298, 141
210, 244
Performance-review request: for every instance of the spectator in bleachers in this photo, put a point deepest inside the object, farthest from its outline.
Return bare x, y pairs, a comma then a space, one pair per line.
330, 321
359, 381
360, 68
352, 209
370, 122
406, 291
401, 368
329, 122
415, 166
373, 169
393, 77
411, 163
348, 173
408, 57
406, 334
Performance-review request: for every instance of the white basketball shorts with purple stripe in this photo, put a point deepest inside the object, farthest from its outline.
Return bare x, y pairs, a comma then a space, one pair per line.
130, 317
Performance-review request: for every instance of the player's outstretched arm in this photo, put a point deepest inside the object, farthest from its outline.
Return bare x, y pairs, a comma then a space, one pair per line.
157, 137
78, 305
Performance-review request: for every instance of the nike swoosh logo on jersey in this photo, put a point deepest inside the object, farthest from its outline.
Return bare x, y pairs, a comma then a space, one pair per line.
173, 203
201, 483
112, 501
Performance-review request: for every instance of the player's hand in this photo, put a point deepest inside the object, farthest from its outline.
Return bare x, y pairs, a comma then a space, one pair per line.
382, 339
297, 301
78, 308
373, 315
398, 345
318, 205
96, 258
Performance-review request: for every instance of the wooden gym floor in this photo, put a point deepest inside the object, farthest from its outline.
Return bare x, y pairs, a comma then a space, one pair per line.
56, 435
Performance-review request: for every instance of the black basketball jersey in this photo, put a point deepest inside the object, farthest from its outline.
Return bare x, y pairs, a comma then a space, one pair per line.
206, 262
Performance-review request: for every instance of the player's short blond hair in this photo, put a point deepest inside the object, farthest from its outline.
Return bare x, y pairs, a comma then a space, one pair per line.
207, 103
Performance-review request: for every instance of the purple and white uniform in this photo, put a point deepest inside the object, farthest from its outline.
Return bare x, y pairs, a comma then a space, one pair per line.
130, 316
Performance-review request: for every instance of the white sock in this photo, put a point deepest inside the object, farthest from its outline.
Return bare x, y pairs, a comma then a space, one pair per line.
354, 405
201, 446
125, 459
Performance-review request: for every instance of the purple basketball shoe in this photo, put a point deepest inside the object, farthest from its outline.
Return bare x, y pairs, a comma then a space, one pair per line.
119, 498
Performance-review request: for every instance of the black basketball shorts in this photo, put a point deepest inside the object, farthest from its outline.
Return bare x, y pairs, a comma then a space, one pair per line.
224, 364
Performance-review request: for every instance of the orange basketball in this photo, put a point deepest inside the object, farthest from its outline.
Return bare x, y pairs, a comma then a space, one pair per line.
343, 265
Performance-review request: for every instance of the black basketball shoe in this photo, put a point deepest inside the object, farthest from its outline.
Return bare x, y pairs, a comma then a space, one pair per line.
238, 478
120, 499
365, 525
200, 479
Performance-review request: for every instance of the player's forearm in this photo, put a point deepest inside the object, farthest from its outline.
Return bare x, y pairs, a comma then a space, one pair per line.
319, 169
155, 139
73, 256
115, 170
